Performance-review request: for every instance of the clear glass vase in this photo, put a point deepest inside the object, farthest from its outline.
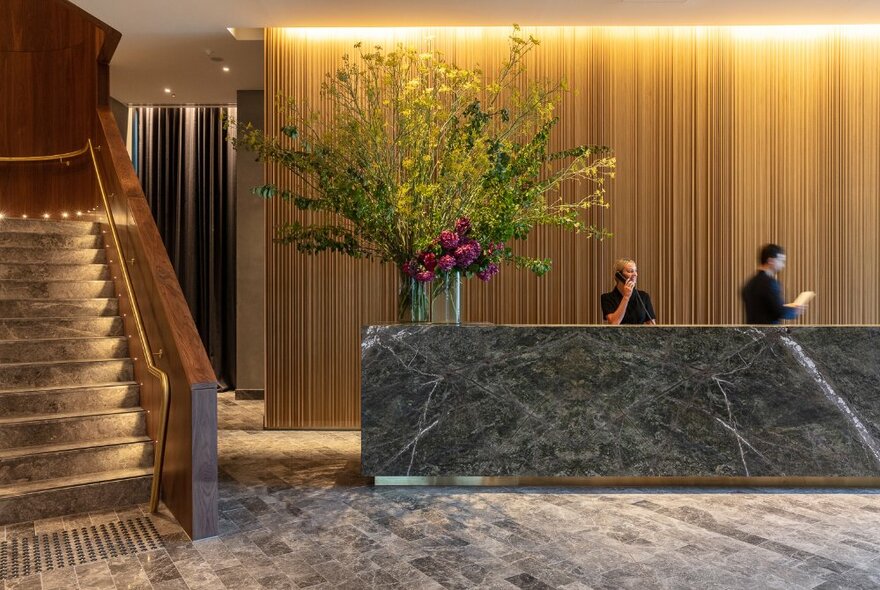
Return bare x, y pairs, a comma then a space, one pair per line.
437, 301
446, 307
413, 300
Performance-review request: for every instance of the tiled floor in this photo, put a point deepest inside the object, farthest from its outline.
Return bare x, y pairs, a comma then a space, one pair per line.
295, 514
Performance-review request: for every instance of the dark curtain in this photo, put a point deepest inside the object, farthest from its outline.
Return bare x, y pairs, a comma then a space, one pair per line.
187, 169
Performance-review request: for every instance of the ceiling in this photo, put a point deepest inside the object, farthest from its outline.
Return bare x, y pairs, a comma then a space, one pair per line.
171, 43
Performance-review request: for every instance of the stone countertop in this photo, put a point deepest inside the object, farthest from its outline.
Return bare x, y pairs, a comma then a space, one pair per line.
584, 401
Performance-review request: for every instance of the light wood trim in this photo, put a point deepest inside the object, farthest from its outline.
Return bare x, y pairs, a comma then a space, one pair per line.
725, 140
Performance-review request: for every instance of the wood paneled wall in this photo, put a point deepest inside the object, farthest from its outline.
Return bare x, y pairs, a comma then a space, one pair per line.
726, 138
49, 91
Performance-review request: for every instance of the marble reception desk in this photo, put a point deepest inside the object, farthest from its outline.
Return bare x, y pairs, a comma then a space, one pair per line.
696, 404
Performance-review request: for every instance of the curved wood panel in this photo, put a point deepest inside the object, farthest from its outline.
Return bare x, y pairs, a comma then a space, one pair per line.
48, 62
726, 138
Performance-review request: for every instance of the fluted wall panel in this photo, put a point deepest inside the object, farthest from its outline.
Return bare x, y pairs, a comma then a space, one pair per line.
726, 138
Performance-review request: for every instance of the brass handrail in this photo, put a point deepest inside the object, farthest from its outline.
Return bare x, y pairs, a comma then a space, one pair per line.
142, 335
49, 158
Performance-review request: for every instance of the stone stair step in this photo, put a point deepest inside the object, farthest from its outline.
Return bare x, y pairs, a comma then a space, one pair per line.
63, 349
71, 495
58, 308
55, 373
47, 327
53, 461
49, 242
70, 399
55, 256
44, 226
49, 429
54, 272
30, 289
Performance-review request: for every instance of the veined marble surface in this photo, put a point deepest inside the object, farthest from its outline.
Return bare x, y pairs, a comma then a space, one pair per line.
620, 401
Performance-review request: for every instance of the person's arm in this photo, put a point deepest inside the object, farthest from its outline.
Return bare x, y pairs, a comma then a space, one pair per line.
649, 308
616, 316
780, 310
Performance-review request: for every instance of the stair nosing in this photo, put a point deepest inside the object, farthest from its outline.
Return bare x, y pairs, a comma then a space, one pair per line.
62, 299
27, 419
64, 361
4, 341
19, 452
39, 486
49, 263
68, 388
55, 319
59, 281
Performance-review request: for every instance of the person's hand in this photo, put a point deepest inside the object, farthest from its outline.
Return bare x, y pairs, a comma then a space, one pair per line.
628, 287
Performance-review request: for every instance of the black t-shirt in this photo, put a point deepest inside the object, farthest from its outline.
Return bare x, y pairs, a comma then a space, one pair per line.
635, 313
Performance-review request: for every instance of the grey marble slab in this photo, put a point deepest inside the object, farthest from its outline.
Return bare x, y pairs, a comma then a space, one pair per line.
620, 401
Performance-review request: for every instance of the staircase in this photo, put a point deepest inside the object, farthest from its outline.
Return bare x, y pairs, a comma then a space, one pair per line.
72, 435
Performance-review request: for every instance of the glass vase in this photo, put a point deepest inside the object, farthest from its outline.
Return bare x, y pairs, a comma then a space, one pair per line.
413, 300
438, 301
446, 306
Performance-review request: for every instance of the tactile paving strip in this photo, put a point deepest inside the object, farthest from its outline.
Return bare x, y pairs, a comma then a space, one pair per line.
23, 556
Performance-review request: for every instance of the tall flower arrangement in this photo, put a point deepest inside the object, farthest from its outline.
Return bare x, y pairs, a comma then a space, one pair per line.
430, 166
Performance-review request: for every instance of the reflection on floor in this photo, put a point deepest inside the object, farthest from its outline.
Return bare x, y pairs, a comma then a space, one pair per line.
296, 514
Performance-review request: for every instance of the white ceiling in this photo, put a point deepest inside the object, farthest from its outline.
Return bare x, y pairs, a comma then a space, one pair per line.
169, 43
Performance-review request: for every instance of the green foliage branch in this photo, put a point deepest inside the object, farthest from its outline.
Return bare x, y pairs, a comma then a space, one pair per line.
415, 143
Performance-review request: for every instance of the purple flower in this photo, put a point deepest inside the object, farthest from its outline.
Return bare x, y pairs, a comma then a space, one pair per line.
429, 260
463, 226
487, 273
426, 276
448, 239
467, 253
410, 267
446, 262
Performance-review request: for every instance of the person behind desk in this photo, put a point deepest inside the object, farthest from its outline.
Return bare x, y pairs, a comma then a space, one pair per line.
762, 294
625, 304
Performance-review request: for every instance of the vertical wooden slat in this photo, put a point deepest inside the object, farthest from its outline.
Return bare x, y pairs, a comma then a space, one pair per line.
726, 138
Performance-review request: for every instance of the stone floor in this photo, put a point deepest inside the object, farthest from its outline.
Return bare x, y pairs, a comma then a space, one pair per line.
295, 514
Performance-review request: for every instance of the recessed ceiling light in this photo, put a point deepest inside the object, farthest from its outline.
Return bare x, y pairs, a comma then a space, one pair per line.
24, 216
225, 68
45, 216
167, 91
64, 215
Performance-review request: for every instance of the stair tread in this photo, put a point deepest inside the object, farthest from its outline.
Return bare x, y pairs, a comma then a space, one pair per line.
61, 388
62, 299
71, 446
44, 280
24, 419
18, 489
50, 263
66, 338
66, 361
66, 318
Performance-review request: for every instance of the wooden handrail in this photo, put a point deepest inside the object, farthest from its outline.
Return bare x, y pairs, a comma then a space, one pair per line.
159, 455
189, 473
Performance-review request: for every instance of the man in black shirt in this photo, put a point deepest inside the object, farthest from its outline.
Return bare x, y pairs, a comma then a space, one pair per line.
625, 304
762, 295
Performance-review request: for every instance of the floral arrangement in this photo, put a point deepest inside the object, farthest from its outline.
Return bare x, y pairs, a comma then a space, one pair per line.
455, 251
421, 163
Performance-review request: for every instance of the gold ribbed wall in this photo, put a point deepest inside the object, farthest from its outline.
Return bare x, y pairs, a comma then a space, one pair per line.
726, 138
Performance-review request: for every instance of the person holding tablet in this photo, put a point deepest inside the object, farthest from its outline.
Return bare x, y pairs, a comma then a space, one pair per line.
762, 294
